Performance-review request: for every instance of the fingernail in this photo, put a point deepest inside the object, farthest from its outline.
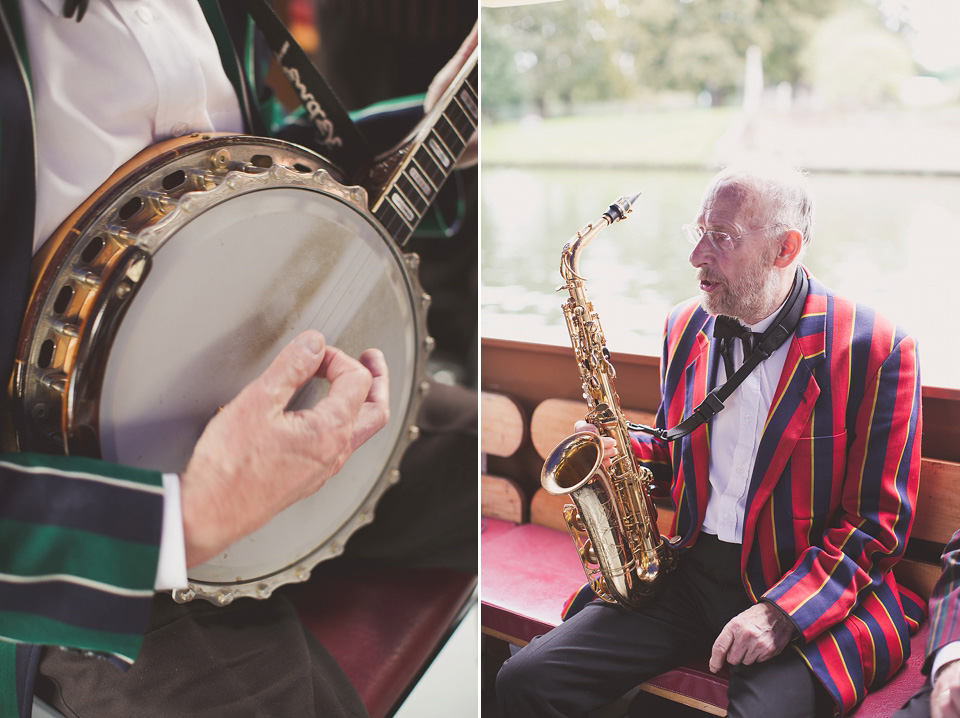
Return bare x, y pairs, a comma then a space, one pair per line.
311, 341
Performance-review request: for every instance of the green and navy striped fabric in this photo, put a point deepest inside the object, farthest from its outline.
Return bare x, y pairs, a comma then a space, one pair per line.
79, 544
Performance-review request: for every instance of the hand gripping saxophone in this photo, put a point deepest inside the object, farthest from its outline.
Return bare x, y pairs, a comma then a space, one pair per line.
613, 522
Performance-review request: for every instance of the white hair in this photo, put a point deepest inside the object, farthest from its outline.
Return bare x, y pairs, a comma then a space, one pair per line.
780, 193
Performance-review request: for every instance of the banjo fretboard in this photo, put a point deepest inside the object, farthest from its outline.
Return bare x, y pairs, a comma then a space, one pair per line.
430, 159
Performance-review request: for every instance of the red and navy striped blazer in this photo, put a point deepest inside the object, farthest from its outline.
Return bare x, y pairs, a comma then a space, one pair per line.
832, 496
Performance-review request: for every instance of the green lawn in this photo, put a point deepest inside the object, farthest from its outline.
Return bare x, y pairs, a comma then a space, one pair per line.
682, 138
893, 141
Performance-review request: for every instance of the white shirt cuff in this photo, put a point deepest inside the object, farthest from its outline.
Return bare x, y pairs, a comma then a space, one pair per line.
172, 565
948, 653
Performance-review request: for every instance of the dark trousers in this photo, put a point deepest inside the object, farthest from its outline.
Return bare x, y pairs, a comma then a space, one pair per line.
602, 652
253, 658
919, 704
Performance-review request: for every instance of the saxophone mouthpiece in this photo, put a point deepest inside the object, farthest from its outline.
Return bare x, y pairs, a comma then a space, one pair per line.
619, 209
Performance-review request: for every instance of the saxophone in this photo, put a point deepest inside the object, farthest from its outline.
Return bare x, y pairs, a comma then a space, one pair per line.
613, 520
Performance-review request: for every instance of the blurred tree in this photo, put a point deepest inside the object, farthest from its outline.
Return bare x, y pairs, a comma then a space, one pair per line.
553, 55
855, 60
587, 50
502, 84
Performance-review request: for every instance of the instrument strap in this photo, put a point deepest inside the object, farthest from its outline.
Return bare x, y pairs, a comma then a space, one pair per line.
17, 187
340, 139
783, 326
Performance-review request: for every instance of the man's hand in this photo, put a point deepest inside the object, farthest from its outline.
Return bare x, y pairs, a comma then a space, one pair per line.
255, 458
609, 445
945, 696
757, 634
440, 83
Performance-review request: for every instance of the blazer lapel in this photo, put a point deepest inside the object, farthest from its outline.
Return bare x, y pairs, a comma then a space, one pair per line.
17, 206
700, 377
790, 409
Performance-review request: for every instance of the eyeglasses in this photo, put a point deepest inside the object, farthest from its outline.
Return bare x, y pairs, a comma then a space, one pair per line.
721, 241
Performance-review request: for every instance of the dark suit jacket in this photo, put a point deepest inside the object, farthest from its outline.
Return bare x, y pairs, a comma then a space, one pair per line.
945, 602
831, 499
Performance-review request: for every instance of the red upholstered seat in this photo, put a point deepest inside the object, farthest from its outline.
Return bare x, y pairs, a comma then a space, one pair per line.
695, 681
492, 527
383, 625
529, 571
908, 681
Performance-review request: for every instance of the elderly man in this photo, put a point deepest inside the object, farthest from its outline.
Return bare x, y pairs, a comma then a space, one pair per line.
792, 503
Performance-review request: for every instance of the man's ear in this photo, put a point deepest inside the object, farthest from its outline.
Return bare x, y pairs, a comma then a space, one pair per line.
790, 245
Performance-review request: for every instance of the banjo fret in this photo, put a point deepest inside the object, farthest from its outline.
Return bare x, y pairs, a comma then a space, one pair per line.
413, 194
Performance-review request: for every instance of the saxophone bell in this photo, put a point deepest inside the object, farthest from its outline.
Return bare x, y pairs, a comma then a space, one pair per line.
572, 463
602, 534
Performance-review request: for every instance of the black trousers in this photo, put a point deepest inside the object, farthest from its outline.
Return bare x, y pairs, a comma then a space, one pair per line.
919, 704
602, 652
252, 658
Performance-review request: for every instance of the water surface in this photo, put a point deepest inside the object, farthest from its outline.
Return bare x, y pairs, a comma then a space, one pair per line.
888, 241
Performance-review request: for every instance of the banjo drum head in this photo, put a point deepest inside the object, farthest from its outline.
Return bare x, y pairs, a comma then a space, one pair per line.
236, 270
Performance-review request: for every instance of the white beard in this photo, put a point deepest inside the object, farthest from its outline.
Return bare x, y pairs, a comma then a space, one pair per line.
753, 297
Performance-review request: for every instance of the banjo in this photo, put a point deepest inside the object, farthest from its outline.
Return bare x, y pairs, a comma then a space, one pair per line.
183, 276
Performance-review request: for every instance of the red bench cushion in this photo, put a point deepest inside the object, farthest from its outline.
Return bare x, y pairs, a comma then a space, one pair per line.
528, 572
908, 681
382, 625
492, 527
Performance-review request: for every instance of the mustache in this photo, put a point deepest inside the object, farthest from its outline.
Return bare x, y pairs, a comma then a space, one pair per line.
705, 275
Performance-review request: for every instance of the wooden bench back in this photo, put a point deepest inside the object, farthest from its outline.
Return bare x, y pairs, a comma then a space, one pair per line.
552, 422
936, 519
502, 424
503, 429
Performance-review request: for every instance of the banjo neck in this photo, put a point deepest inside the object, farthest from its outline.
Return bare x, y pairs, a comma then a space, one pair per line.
403, 183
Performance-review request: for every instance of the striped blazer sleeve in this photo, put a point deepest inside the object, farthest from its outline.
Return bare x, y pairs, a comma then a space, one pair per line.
79, 545
945, 602
875, 478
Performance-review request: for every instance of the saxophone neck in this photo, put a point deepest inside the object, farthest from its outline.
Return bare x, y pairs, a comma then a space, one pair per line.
570, 257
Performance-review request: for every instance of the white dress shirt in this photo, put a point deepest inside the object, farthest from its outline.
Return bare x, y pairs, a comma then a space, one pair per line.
132, 73
735, 438
947, 654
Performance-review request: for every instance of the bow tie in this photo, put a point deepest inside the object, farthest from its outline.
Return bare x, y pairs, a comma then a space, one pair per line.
730, 328
74, 6
726, 329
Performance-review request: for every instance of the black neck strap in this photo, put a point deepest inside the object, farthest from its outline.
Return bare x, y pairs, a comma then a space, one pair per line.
783, 326
340, 140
